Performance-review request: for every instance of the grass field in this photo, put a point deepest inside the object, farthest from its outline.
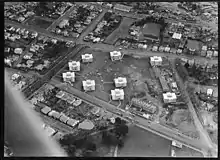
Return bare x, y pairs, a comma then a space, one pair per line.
40, 22
103, 71
120, 32
141, 143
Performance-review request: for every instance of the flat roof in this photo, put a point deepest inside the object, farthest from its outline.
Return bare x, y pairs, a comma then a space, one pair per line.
152, 30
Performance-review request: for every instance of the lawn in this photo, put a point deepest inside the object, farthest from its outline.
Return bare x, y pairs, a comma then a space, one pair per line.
103, 71
37, 21
120, 32
141, 143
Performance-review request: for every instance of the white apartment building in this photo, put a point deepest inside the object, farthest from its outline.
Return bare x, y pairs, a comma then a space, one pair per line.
74, 66
169, 97
89, 85
120, 82
155, 61
117, 94
209, 92
87, 58
115, 55
69, 77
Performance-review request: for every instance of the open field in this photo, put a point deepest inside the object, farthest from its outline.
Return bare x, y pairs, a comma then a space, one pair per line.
103, 71
120, 32
141, 143
40, 22
186, 152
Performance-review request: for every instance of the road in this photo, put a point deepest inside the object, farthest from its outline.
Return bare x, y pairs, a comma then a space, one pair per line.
204, 145
204, 136
65, 15
143, 53
91, 27
41, 31
106, 47
138, 16
141, 122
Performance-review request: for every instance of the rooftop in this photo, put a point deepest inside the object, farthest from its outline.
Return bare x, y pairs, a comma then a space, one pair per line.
151, 30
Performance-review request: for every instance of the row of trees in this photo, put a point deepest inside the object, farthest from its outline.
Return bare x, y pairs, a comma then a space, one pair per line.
87, 147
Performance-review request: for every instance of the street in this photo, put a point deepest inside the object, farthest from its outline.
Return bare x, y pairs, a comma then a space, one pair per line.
203, 144
204, 136
143, 123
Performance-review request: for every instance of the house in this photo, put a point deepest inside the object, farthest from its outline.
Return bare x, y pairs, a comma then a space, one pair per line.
209, 54
209, 92
46, 110
164, 84
167, 49
54, 114
60, 94
203, 53
143, 105
204, 48
95, 40
191, 62
74, 65
215, 54
64, 23
177, 36
120, 82
64, 118
179, 51
215, 93
169, 97
155, 48
71, 99
115, 55
161, 49
69, 77
155, 61
28, 55
72, 122
75, 35
117, 94
177, 144
18, 51
88, 85
173, 50
87, 58
122, 7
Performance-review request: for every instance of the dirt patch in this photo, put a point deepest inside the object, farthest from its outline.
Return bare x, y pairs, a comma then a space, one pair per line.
182, 120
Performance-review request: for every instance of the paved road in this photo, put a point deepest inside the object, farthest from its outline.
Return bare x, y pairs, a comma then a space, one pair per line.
91, 26
65, 15
204, 136
143, 53
39, 30
105, 47
143, 123
138, 16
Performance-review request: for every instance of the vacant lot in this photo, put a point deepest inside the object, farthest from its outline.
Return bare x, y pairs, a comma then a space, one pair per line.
103, 71
40, 22
186, 152
120, 32
141, 143
181, 119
